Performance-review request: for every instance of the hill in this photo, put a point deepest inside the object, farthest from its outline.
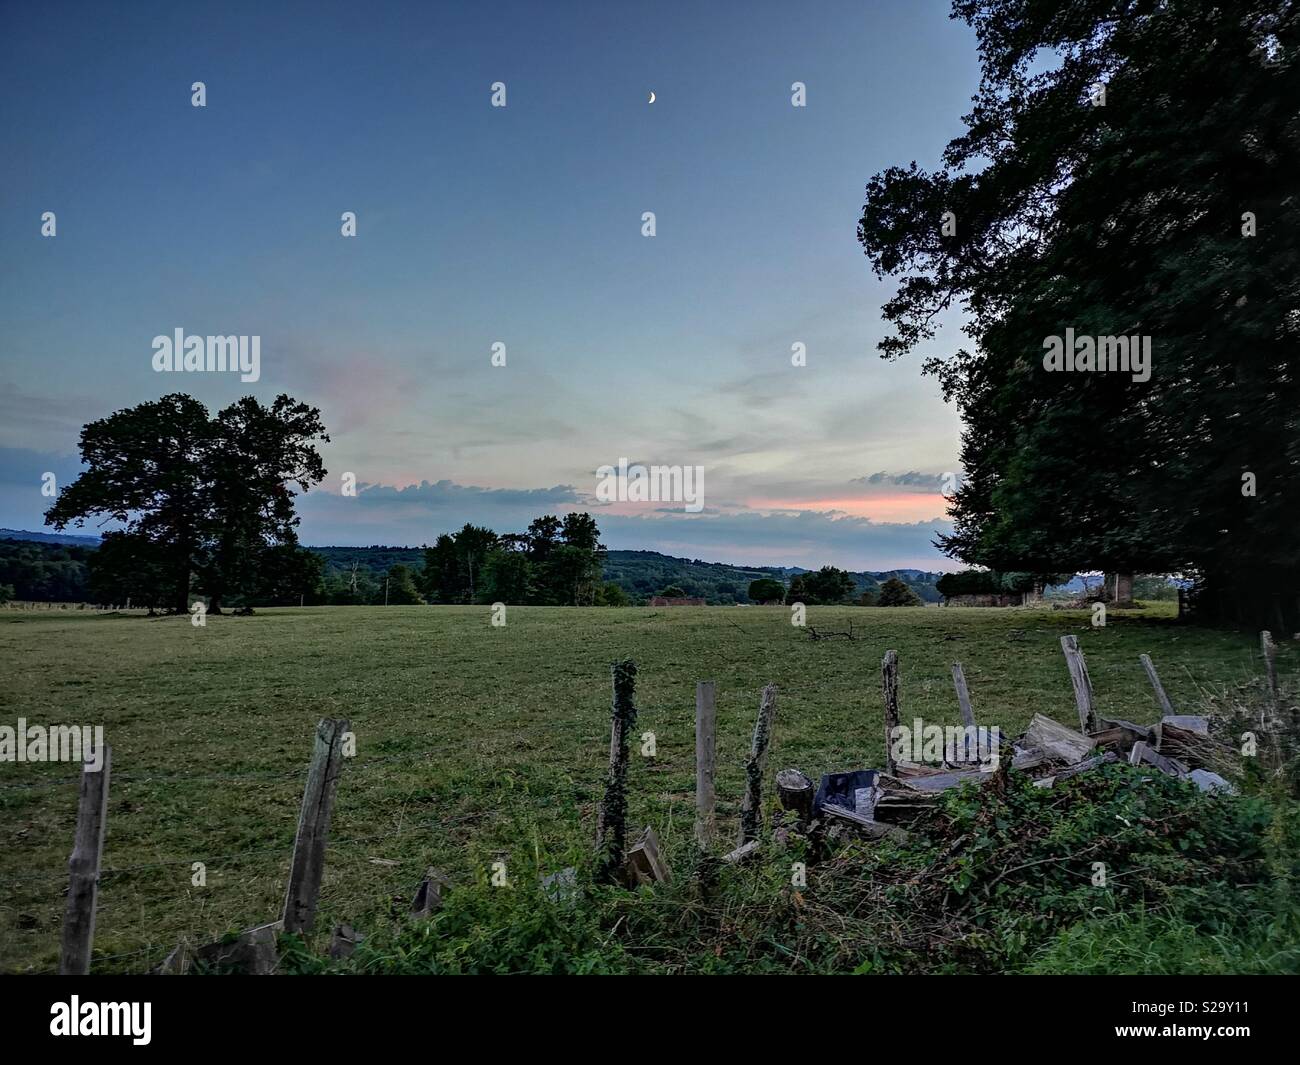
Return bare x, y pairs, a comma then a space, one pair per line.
640, 574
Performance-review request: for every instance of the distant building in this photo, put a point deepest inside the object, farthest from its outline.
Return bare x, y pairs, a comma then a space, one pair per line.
659, 600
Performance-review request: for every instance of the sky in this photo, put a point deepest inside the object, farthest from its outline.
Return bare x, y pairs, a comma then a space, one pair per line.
477, 226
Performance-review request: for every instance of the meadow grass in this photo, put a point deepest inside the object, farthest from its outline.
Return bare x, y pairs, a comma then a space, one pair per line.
477, 744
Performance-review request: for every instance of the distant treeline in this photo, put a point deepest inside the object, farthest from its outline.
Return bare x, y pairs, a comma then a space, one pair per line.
44, 572
545, 564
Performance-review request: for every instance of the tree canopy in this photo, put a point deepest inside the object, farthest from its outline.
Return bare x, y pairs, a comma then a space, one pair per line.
201, 500
1128, 170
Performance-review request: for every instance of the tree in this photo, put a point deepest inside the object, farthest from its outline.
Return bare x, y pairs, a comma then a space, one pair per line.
258, 453
610, 594
6, 593
1144, 217
149, 469
200, 496
766, 590
288, 574
507, 578
130, 567
827, 586
440, 578
401, 590
895, 593
673, 591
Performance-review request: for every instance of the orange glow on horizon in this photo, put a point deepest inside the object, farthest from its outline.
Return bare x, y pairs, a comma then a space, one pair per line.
899, 506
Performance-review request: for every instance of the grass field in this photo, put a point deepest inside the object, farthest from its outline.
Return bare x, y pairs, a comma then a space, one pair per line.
475, 743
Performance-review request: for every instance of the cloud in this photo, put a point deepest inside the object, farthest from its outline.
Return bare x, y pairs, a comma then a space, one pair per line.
419, 513
920, 482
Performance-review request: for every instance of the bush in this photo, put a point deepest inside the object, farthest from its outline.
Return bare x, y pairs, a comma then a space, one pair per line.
895, 593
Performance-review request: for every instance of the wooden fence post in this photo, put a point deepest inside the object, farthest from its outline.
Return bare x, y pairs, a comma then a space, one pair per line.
889, 688
308, 868
83, 870
611, 822
1082, 683
751, 806
1166, 707
1269, 648
706, 797
967, 714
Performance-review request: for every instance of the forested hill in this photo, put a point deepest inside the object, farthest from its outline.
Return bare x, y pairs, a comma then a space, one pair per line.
646, 573
53, 567
642, 574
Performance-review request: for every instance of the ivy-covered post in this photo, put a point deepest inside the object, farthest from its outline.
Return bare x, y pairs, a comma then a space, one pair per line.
751, 806
611, 824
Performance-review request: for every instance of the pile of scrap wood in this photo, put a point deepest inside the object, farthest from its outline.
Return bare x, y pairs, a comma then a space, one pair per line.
905, 793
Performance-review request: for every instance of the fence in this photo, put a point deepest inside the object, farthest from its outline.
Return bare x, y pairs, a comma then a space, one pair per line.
617, 861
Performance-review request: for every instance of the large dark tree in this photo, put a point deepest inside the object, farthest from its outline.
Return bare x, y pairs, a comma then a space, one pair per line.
198, 496
148, 469
1169, 210
261, 452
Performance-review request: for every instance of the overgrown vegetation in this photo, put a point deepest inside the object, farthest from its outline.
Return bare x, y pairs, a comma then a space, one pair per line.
1117, 871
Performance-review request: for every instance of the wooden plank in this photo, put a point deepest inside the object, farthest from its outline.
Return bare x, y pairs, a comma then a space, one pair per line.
1120, 735
1082, 683
1089, 763
1142, 732
429, 895
751, 806
943, 781
611, 823
706, 796
308, 867
1144, 755
742, 853
889, 691
645, 863
83, 869
1166, 707
1187, 722
1023, 760
1059, 742
865, 825
963, 701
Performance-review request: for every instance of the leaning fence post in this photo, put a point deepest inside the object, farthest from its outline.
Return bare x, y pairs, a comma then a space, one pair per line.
611, 822
751, 806
889, 687
308, 868
1082, 683
706, 719
83, 869
1166, 707
1269, 648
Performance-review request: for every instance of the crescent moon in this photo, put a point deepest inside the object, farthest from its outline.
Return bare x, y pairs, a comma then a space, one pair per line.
652, 96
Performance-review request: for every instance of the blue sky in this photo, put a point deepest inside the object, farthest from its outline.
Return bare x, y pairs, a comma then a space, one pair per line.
520, 225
